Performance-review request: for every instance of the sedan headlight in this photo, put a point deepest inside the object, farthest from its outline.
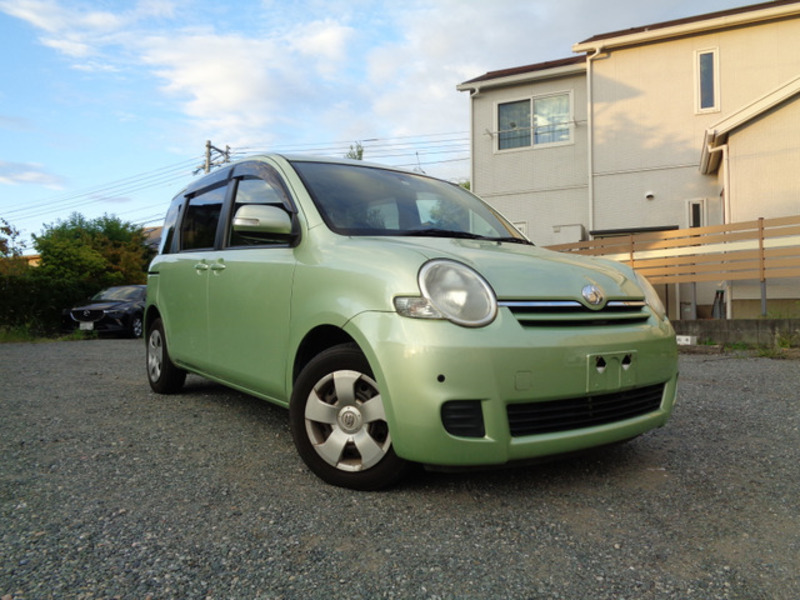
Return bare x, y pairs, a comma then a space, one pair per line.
651, 296
452, 291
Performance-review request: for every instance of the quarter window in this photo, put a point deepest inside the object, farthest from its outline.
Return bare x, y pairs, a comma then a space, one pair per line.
537, 121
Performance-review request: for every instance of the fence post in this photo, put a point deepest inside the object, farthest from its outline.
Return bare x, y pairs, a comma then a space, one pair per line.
632, 250
762, 267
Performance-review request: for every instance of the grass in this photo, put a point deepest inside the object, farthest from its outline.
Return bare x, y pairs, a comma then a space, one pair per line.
26, 333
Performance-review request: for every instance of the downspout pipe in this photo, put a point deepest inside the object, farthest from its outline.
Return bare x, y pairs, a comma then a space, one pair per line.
590, 129
726, 210
726, 180
473, 93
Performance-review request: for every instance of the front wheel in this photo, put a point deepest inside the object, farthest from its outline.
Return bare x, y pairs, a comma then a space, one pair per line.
339, 425
136, 326
163, 375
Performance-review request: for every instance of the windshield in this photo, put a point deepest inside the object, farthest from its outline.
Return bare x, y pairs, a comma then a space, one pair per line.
120, 294
355, 200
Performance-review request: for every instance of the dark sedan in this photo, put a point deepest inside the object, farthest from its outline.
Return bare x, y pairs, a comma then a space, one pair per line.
116, 310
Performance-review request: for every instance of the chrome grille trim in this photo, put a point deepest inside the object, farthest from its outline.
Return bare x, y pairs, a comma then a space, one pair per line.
558, 313
567, 304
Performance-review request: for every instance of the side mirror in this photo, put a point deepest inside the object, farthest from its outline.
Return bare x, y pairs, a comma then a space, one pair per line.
262, 219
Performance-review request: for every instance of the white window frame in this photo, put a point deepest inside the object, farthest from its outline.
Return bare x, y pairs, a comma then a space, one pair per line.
533, 145
690, 204
698, 87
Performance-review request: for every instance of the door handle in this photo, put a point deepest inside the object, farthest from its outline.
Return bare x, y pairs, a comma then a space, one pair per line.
201, 266
218, 267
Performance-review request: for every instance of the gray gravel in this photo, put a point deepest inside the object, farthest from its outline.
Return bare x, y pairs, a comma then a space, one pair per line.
110, 491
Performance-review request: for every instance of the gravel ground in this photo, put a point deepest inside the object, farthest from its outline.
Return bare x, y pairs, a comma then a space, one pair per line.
110, 491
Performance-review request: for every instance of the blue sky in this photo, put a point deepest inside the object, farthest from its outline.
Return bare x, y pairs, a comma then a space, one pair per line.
106, 105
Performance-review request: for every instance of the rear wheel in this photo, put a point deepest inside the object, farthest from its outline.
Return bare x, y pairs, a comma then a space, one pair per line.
339, 425
163, 375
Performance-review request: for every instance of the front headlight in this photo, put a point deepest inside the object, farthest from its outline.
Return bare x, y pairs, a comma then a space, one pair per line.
452, 291
651, 296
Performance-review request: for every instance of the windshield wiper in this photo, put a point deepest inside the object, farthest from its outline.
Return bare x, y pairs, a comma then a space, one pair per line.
512, 240
446, 233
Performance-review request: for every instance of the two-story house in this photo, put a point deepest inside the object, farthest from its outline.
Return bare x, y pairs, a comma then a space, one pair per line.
678, 124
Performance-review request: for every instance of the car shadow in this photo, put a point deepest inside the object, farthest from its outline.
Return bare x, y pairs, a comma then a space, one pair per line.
592, 467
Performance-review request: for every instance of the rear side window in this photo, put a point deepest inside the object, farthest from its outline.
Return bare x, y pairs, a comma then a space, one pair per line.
168, 232
199, 226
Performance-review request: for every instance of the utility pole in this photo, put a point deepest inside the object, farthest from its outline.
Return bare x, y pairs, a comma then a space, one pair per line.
224, 157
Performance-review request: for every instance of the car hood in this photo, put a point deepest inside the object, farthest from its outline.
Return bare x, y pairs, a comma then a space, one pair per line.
521, 271
103, 305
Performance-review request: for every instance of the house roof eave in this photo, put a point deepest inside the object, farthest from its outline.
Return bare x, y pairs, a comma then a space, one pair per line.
747, 15
572, 65
717, 135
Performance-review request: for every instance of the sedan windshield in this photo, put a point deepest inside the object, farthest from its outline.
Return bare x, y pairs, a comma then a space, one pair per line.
120, 294
363, 200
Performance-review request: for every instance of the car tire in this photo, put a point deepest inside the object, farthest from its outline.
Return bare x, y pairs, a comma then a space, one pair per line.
163, 375
338, 422
136, 326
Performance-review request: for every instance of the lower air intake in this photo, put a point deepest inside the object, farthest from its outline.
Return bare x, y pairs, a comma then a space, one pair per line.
534, 418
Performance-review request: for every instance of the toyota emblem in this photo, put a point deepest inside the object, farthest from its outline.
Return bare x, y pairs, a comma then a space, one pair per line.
593, 294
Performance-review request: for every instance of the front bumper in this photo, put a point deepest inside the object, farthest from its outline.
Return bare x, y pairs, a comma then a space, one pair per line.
101, 323
422, 365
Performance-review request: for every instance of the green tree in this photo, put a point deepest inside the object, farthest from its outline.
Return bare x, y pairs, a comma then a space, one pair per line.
100, 252
10, 246
78, 257
356, 152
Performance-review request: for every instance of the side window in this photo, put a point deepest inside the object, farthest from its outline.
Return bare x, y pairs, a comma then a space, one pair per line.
514, 125
252, 190
707, 81
535, 122
552, 119
199, 226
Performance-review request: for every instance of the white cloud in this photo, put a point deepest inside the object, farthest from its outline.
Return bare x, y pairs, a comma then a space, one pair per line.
224, 81
42, 14
334, 69
12, 173
72, 48
322, 42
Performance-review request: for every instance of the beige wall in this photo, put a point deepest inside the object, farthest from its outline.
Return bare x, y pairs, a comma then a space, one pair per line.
765, 165
648, 136
544, 186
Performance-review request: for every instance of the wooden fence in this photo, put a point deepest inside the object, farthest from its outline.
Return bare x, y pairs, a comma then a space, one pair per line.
754, 250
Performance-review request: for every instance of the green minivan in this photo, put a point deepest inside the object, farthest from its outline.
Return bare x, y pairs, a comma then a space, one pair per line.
401, 320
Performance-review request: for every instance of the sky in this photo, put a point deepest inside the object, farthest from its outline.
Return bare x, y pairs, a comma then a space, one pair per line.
106, 105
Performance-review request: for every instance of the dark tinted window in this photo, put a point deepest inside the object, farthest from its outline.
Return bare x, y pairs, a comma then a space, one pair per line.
199, 226
168, 231
355, 200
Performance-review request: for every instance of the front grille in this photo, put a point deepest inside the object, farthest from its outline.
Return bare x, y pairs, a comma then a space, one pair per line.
87, 315
571, 313
533, 418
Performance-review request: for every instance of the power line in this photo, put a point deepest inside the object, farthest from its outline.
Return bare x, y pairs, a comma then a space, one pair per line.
119, 187
427, 149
